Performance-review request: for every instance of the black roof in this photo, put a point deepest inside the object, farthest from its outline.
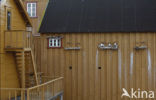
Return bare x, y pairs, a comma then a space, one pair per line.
99, 16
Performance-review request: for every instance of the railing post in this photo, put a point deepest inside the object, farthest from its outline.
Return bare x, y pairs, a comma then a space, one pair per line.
9, 95
23, 39
43, 94
28, 95
15, 95
29, 40
22, 96
16, 44
11, 38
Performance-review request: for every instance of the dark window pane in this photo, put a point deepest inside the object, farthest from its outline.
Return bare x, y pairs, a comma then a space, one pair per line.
8, 20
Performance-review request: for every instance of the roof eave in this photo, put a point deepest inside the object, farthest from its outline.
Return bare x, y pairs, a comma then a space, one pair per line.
24, 13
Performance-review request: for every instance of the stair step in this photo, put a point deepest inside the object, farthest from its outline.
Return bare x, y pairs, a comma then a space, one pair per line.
18, 53
19, 65
19, 61
28, 81
19, 71
30, 78
27, 54
17, 56
29, 74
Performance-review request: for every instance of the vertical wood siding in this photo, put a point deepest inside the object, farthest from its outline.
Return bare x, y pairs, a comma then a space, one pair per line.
17, 22
123, 68
8, 74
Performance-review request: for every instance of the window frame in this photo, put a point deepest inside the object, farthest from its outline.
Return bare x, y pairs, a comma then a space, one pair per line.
32, 2
57, 37
8, 11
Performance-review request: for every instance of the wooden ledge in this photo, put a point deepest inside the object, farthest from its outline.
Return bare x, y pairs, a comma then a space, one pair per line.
17, 49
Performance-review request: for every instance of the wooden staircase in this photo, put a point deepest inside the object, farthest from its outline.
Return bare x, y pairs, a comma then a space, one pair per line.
19, 43
26, 68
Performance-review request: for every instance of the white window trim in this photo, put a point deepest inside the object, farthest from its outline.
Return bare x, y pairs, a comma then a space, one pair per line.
31, 13
56, 44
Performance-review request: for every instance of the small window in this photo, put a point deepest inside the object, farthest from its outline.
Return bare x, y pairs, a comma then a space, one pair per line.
8, 20
31, 9
55, 42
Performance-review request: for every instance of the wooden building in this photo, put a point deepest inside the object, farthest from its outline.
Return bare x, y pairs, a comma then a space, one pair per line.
35, 9
18, 72
100, 47
14, 39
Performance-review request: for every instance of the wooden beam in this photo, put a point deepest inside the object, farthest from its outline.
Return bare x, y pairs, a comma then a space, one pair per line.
23, 70
28, 94
14, 49
34, 67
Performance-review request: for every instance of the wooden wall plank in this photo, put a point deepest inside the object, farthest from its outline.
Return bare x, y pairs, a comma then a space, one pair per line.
91, 60
80, 68
97, 71
68, 86
74, 68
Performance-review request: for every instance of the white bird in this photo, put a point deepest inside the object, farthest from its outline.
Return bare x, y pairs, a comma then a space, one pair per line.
125, 93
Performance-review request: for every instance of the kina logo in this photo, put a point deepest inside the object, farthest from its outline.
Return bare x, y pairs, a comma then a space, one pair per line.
137, 94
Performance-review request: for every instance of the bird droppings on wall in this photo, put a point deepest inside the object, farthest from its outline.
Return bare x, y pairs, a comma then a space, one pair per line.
131, 64
119, 64
149, 64
97, 56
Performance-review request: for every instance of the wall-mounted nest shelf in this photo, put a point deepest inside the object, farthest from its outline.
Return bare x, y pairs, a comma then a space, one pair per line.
140, 47
72, 48
108, 46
